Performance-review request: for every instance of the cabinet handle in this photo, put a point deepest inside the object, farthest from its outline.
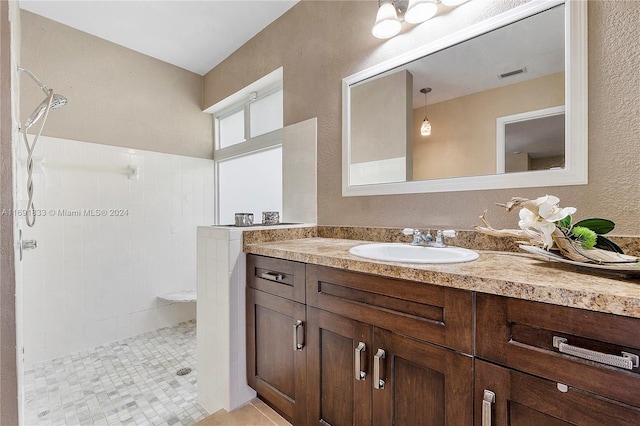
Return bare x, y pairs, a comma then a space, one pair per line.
360, 375
627, 360
272, 276
488, 399
378, 383
296, 345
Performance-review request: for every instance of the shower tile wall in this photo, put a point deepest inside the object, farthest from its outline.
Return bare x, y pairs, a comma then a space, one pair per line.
95, 279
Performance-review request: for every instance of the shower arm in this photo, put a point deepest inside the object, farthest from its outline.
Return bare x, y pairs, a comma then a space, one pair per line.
44, 88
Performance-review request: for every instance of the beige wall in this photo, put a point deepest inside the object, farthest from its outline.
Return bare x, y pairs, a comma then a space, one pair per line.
318, 43
8, 372
116, 96
463, 135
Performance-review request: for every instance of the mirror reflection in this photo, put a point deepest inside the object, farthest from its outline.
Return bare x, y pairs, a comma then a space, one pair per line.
496, 105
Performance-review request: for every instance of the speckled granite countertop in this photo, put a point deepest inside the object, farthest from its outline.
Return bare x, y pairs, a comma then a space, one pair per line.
495, 272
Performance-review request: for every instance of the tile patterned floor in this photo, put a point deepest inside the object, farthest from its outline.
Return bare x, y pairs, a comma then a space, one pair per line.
130, 382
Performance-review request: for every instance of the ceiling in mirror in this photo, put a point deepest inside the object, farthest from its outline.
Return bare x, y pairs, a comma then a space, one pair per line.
509, 65
530, 48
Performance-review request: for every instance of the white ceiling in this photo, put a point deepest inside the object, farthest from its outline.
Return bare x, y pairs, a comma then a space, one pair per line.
194, 35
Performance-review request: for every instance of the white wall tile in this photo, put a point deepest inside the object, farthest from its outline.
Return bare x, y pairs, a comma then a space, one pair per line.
100, 275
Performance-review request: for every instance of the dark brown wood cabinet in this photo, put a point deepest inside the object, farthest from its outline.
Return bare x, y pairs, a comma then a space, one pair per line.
506, 397
276, 347
279, 277
334, 347
380, 332
359, 374
427, 312
337, 395
421, 383
557, 365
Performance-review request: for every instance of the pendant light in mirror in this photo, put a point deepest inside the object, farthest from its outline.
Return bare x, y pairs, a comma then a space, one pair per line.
425, 129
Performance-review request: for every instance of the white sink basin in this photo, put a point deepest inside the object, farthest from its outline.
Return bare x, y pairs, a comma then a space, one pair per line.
406, 253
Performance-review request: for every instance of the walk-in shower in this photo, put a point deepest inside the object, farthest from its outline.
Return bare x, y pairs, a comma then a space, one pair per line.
52, 101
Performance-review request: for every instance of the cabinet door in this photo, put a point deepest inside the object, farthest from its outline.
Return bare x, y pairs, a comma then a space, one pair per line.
337, 347
519, 399
275, 368
419, 383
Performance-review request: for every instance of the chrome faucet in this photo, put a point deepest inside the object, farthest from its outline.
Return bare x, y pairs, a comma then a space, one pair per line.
425, 239
419, 238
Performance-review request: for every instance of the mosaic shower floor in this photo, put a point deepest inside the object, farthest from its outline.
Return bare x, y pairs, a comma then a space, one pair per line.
129, 382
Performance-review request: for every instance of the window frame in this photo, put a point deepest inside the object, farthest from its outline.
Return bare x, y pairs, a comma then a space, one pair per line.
239, 106
250, 145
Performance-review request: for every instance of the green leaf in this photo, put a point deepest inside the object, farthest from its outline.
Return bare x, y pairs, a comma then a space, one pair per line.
599, 226
564, 223
606, 244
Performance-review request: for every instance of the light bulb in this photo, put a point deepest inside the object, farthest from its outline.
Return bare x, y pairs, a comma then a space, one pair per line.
425, 129
387, 23
420, 11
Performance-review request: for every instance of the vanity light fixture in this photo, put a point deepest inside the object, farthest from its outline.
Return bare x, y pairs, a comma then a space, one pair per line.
391, 13
420, 10
387, 22
425, 129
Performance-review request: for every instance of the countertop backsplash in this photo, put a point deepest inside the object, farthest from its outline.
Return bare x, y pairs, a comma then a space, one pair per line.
465, 238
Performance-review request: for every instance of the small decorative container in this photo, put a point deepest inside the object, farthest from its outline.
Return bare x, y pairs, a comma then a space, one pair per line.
244, 219
270, 218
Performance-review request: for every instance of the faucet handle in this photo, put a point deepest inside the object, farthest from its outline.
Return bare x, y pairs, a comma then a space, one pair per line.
409, 231
449, 233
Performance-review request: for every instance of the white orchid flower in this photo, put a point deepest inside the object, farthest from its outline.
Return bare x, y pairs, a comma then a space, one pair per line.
542, 224
537, 227
549, 210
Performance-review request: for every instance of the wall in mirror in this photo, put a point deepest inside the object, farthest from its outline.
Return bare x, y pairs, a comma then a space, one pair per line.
489, 105
382, 130
464, 129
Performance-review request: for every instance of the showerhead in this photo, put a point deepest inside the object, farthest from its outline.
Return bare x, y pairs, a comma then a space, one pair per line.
57, 101
53, 100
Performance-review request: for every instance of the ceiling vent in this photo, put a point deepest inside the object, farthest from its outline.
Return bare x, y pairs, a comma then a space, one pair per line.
512, 73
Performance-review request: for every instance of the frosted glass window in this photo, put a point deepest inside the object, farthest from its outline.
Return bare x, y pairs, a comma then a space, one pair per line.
250, 184
231, 129
266, 114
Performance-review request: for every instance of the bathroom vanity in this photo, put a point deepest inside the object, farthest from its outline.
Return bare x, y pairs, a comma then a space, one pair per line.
506, 340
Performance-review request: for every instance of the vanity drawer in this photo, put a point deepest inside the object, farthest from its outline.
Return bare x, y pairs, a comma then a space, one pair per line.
529, 336
283, 278
424, 311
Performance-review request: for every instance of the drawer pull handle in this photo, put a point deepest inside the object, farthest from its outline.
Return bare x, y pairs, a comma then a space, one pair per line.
627, 360
378, 383
360, 375
296, 345
272, 276
487, 399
